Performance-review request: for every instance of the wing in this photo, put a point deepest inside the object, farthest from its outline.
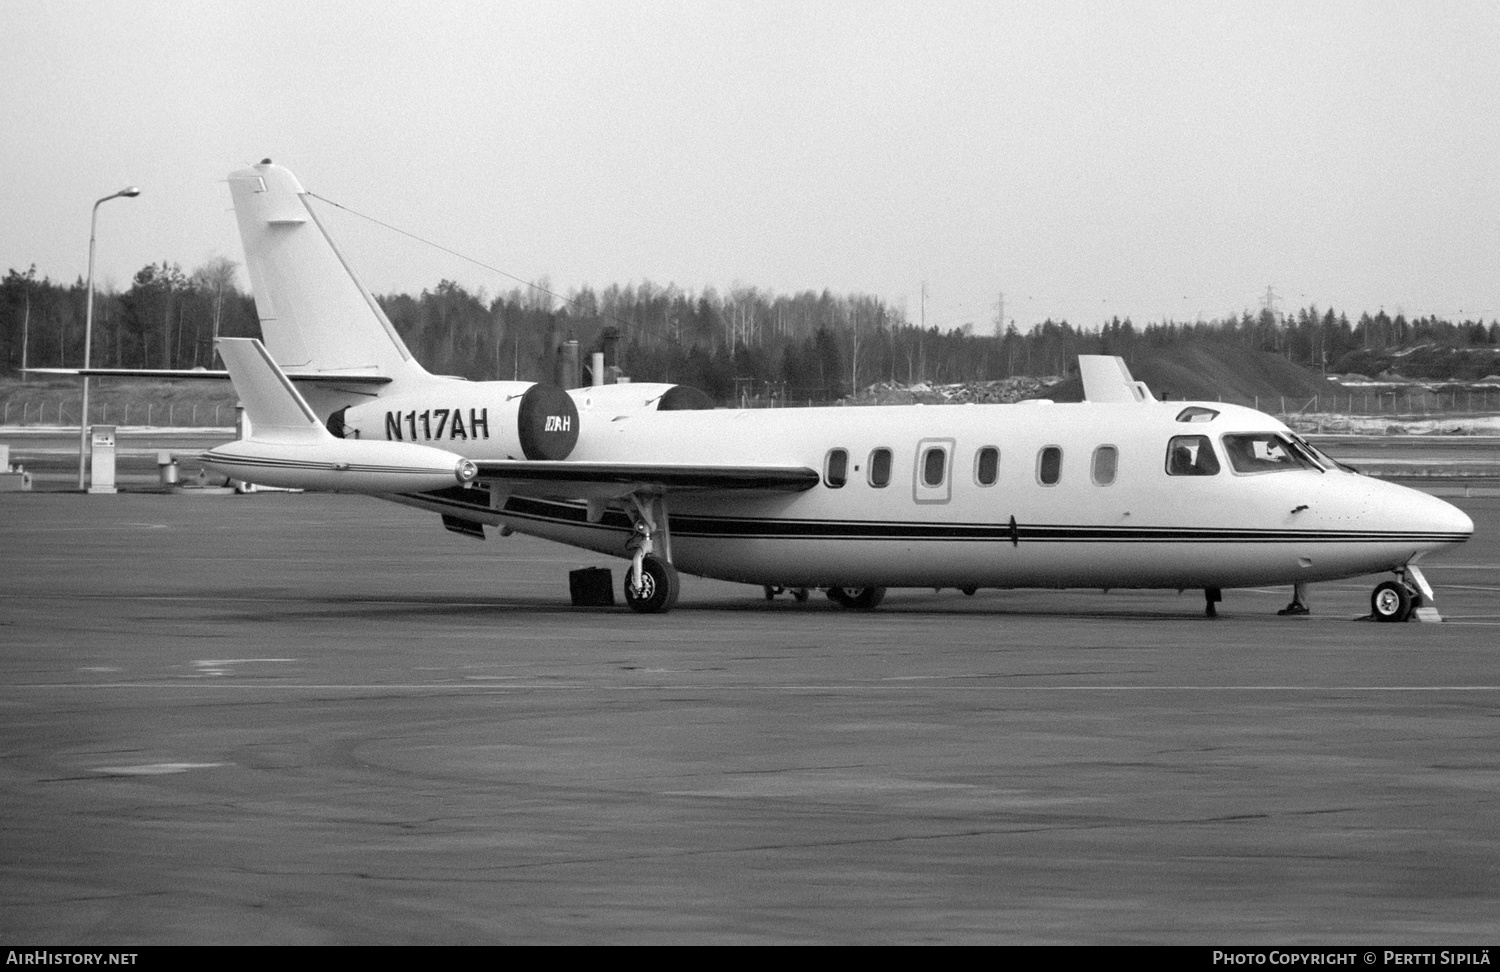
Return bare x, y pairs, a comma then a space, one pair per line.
612, 479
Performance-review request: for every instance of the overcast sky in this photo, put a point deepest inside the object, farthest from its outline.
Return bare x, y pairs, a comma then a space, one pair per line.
1088, 160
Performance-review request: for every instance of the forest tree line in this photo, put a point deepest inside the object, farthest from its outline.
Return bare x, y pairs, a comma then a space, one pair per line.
740, 344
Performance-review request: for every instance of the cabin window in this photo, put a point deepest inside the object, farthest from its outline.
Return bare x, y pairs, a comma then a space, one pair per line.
1049, 466
836, 468
1106, 458
1197, 413
934, 466
880, 468
930, 482
1259, 452
987, 466
1191, 455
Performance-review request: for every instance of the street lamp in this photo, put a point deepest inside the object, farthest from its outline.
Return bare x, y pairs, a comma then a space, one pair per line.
129, 192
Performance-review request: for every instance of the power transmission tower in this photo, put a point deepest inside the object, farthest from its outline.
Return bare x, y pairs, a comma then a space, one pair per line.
1268, 302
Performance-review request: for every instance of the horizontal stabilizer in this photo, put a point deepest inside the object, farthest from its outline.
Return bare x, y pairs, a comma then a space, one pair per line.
1107, 379
618, 478
350, 377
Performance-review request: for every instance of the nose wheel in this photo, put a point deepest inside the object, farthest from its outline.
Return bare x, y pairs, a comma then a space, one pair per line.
1391, 601
1408, 596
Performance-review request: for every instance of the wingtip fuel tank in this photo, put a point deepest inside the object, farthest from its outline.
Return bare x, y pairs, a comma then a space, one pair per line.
342, 465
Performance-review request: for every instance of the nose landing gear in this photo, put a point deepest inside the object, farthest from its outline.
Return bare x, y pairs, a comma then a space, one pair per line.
1404, 598
1391, 601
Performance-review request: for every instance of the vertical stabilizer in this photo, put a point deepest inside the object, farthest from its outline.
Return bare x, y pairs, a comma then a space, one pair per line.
277, 412
314, 313
1107, 379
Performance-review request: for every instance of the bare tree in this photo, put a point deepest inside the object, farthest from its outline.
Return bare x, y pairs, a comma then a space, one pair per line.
216, 278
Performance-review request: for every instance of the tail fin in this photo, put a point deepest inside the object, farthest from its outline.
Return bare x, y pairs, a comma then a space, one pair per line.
1106, 378
276, 411
315, 315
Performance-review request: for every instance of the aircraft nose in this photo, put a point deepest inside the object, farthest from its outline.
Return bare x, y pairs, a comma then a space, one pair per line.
1458, 522
1446, 522
1419, 517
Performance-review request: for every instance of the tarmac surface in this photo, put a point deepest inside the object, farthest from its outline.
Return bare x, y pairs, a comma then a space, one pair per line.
309, 719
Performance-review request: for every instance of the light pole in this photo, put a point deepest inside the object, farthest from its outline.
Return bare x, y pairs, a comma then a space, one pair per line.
88, 339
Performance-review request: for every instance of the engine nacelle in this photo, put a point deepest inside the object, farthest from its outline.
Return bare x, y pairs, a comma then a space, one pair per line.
341, 465
640, 397
488, 418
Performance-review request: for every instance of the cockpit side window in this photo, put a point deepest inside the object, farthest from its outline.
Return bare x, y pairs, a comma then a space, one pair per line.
1191, 455
1258, 452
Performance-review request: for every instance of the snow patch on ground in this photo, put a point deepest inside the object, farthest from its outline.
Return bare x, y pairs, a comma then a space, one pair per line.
1334, 423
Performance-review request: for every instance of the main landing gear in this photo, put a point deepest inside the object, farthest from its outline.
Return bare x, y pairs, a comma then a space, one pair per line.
651, 582
857, 598
854, 598
1408, 596
656, 589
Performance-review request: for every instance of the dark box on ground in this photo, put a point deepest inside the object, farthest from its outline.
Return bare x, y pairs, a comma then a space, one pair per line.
592, 587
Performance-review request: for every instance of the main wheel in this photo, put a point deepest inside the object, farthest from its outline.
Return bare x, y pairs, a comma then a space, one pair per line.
659, 588
1391, 601
857, 598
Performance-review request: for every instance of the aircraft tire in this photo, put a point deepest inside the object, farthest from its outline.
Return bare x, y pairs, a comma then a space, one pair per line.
1391, 601
857, 598
661, 587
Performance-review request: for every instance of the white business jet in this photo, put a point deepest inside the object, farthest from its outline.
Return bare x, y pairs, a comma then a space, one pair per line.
1118, 491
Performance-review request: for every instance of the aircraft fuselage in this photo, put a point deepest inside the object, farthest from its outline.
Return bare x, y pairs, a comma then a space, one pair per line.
1027, 495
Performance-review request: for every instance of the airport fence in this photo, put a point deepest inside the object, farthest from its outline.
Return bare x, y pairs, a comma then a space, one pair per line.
56, 412
1400, 402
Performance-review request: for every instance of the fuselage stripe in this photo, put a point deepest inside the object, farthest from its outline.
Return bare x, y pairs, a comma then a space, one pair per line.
549, 511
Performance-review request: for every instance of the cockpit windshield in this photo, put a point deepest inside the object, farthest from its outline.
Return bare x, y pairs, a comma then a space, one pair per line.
1258, 452
1322, 458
